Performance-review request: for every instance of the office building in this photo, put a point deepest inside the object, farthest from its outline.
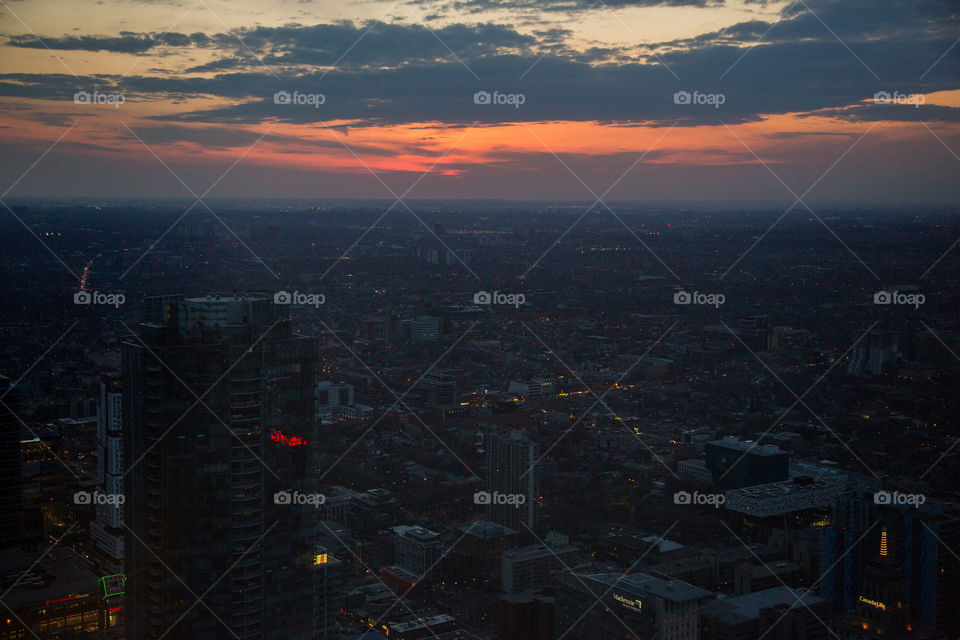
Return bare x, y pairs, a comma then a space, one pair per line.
11, 465
873, 354
417, 550
439, 389
332, 397
778, 613
513, 480
55, 595
881, 612
425, 329
639, 605
218, 490
921, 537
329, 594
531, 567
106, 530
735, 463
525, 616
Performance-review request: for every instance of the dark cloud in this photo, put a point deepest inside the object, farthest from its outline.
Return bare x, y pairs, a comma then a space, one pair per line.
396, 73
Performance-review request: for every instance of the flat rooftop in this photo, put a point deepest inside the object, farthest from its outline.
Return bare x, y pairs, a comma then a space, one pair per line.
644, 584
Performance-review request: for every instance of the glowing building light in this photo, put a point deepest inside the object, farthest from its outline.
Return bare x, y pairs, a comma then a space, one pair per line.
293, 441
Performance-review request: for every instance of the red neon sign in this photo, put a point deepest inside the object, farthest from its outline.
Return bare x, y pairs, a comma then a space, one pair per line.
292, 441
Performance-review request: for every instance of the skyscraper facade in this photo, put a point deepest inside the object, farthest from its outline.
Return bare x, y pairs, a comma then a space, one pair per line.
106, 529
219, 428
11, 465
514, 480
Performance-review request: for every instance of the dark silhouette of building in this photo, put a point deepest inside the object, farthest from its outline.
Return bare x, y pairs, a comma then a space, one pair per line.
514, 480
633, 606
525, 616
106, 530
11, 465
778, 613
881, 611
921, 537
220, 437
735, 463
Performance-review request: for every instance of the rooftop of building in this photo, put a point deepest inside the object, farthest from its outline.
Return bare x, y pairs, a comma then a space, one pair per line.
750, 446
644, 584
749, 605
485, 529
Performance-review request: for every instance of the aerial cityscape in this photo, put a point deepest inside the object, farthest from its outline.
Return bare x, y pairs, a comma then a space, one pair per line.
480, 320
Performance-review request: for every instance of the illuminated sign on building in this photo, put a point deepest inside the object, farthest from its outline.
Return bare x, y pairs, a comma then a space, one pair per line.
293, 441
320, 559
873, 603
633, 605
112, 585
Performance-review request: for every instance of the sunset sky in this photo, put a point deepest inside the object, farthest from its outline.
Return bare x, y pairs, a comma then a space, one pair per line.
598, 82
